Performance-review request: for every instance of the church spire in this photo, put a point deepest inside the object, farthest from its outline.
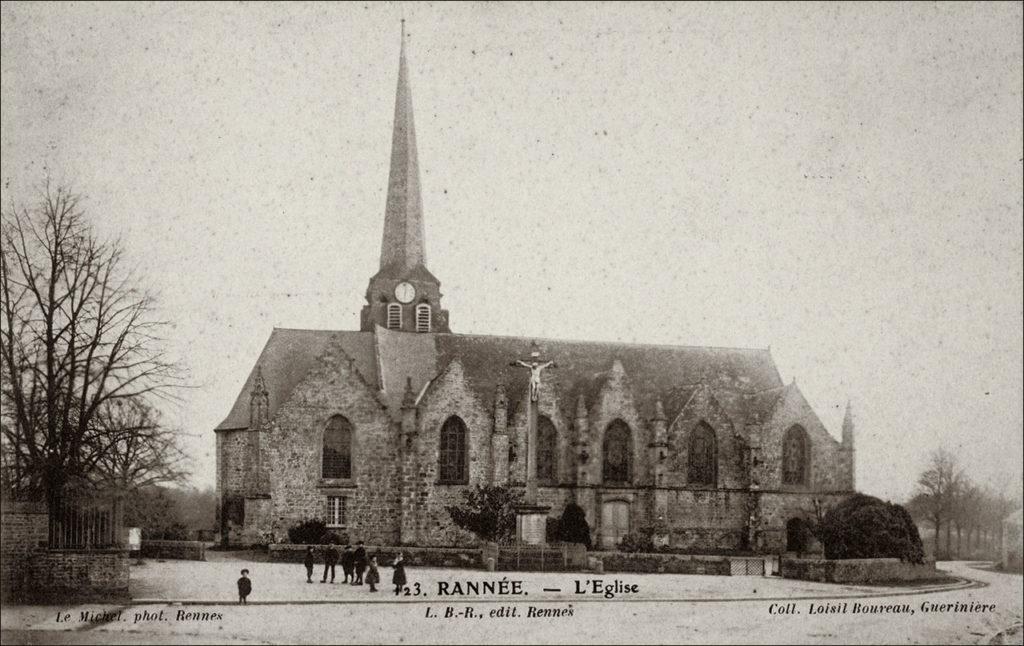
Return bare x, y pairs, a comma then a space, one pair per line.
402, 247
403, 295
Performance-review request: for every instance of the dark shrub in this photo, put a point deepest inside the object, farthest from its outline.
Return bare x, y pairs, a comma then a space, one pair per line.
553, 530
642, 540
865, 527
308, 531
573, 527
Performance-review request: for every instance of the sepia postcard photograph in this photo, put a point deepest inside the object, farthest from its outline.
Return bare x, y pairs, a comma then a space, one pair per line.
511, 322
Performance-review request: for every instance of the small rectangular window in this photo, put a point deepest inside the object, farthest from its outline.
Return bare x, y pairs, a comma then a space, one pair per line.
394, 316
337, 511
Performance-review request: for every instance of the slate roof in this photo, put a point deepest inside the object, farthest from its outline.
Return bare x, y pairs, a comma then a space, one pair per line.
288, 356
745, 381
583, 367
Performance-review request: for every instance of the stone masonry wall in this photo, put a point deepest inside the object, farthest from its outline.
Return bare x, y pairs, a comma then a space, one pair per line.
615, 401
703, 408
65, 575
518, 425
293, 455
448, 395
394, 496
235, 456
826, 455
712, 519
860, 571
777, 508
23, 532
185, 550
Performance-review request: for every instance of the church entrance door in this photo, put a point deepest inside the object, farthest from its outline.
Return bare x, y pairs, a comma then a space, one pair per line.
614, 523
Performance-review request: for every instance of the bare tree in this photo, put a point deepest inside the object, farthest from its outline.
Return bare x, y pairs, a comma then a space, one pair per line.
938, 487
128, 448
77, 335
964, 511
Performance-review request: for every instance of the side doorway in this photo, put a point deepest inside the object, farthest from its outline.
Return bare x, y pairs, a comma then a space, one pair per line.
614, 523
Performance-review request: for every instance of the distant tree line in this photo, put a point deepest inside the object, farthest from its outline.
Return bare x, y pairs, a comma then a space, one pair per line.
966, 517
171, 513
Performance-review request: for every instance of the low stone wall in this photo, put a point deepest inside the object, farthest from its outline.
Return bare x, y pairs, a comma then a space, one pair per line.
552, 557
662, 563
453, 557
184, 550
859, 571
34, 573
78, 575
23, 532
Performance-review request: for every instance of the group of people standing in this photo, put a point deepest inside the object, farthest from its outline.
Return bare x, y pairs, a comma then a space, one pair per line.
355, 565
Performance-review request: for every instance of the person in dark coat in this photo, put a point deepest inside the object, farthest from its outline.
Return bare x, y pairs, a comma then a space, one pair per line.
398, 578
348, 564
372, 575
359, 561
244, 586
330, 561
308, 562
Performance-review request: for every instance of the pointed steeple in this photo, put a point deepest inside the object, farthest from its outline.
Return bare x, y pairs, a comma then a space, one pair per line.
402, 247
403, 295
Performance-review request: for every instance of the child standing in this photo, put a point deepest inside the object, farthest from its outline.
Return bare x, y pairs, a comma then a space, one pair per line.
398, 578
244, 586
308, 562
372, 576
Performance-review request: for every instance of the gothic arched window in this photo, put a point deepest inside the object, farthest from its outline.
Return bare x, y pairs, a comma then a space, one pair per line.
337, 454
618, 454
795, 456
547, 450
702, 462
453, 462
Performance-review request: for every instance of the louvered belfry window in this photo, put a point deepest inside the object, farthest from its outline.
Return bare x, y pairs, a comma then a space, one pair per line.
394, 316
337, 459
452, 468
422, 317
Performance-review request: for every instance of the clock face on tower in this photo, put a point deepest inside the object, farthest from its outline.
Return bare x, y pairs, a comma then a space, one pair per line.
405, 292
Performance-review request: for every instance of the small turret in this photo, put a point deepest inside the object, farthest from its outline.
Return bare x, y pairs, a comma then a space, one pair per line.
849, 449
259, 401
659, 444
848, 427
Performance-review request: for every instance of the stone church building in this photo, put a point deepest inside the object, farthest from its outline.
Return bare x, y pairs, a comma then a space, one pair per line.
376, 430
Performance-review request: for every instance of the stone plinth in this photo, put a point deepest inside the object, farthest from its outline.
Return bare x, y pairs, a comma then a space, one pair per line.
532, 524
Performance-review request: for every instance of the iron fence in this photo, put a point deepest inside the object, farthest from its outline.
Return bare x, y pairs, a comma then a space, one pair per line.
79, 523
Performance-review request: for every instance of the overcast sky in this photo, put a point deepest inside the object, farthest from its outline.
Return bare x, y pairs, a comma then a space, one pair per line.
839, 182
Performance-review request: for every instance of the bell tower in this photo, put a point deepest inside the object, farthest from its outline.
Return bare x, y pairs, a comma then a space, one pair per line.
403, 294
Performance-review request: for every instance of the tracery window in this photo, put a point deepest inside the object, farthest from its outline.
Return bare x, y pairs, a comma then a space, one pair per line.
702, 456
547, 450
453, 462
337, 453
618, 454
795, 456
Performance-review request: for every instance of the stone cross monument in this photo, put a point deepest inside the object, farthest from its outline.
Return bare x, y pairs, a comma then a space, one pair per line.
531, 518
